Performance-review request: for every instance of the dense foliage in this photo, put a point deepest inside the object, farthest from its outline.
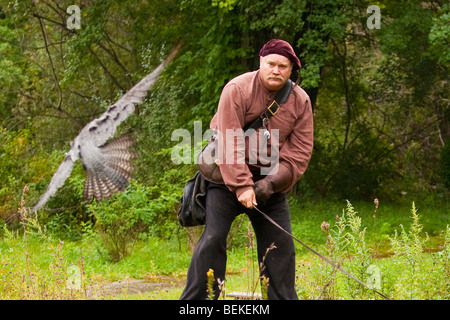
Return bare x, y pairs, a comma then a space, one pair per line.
380, 95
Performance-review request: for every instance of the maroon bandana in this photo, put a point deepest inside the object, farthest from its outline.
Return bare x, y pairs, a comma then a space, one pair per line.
281, 47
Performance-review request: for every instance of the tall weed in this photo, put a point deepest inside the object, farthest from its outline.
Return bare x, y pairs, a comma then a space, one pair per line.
419, 275
22, 276
346, 244
409, 273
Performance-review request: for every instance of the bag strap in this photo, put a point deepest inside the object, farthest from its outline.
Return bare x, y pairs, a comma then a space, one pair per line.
280, 98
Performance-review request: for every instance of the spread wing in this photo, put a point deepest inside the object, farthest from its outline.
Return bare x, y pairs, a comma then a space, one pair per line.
58, 179
107, 163
100, 130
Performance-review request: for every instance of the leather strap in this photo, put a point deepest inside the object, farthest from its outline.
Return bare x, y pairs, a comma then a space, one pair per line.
280, 98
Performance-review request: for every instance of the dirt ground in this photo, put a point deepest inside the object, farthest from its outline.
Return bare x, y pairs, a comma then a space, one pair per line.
134, 286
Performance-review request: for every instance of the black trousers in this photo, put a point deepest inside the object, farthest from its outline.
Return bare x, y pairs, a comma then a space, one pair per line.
222, 207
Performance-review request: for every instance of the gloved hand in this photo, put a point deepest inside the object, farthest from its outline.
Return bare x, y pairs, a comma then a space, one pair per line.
263, 190
274, 183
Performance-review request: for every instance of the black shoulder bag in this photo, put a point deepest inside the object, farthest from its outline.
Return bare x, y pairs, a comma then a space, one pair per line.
191, 211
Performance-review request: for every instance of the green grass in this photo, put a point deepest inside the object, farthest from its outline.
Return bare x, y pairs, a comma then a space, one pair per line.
36, 266
308, 217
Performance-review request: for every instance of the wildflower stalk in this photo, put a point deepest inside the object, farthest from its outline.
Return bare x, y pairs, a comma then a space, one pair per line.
23, 213
210, 285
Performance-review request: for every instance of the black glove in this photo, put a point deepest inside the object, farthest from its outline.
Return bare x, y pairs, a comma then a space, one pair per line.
271, 184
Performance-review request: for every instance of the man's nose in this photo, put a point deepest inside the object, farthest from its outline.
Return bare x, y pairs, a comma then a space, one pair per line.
276, 70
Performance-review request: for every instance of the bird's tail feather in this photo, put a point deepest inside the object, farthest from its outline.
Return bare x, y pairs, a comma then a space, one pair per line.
115, 172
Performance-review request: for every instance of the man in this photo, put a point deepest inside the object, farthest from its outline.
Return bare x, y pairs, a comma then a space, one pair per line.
242, 100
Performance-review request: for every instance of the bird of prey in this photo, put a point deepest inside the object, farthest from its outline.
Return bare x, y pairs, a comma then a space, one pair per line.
106, 162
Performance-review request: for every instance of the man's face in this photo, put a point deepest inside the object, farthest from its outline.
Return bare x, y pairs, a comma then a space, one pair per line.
275, 70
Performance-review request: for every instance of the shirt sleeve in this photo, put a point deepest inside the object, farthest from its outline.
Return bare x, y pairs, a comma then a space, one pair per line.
230, 121
296, 151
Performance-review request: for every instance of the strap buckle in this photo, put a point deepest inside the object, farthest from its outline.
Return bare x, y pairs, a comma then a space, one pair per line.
274, 103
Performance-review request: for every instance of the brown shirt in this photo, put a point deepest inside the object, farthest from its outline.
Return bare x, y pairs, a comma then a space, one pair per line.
242, 100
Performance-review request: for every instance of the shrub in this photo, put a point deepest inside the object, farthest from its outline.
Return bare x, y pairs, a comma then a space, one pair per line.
123, 217
119, 220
